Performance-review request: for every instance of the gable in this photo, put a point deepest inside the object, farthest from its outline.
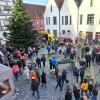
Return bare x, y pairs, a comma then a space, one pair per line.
59, 3
78, 2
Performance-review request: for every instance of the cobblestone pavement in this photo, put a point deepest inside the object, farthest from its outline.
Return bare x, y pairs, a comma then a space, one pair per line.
49, 93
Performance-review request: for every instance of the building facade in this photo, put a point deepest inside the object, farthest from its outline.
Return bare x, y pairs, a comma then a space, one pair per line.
36, 14
52, 17
5, 14
89, 19
77, 18
68, 21
65, 14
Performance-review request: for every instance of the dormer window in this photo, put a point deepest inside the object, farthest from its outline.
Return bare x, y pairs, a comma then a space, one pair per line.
91, 3
51, 8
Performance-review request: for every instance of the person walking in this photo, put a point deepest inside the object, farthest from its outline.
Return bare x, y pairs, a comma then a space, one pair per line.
43, 59
76, 91
34, 87
82, 74
76, 73
68, 94
94, 51
88, 60
64, 73
84, 87
18, 54
56, 71
15, 70
90, 88
50, 63
59, 79
26, 74
38, 61
43, 79
34, 74
53, 62
65, 52
94, 93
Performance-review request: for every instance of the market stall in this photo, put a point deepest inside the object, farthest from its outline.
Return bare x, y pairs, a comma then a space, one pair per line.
6, 83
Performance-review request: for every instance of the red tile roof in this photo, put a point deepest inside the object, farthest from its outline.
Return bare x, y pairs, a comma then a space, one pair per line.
34, 10
59, 3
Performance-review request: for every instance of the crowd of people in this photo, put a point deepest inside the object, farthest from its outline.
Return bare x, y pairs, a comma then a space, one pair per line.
82, 89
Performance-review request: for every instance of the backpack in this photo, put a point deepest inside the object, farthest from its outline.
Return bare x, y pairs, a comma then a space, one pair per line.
95, 92
84, 86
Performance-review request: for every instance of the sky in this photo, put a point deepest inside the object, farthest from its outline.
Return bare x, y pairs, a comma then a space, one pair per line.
42, 2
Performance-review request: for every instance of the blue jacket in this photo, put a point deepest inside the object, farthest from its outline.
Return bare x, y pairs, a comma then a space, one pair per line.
53, 61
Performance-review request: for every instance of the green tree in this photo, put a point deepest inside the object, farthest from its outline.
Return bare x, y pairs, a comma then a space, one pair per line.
21, 32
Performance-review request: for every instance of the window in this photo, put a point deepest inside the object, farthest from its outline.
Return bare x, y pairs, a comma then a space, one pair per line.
90, 19
70, 20
51, 8
14, 1
55, 32
91, 3
99, 21
62, 20
4, 87
63, 31
66, 20
81, 18
0, 10
54, 20
48, 20
48, 31
0, 23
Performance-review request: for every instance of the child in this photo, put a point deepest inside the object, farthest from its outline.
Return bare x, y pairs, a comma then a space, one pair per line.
90, 88
43, 78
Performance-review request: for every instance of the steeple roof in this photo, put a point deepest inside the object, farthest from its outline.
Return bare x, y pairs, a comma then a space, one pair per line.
59, 3
78, 2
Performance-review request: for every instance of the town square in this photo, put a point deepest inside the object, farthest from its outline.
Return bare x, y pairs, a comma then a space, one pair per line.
49, 50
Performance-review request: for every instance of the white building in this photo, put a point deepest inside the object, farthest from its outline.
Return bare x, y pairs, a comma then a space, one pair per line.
52, 16
66, 12
74, 18
5, 13
68, 21
89, 19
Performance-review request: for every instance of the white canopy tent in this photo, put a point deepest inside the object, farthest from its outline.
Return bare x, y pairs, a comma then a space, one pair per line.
6, 82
